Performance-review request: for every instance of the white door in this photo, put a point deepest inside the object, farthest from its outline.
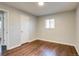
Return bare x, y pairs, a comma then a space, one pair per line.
24, 29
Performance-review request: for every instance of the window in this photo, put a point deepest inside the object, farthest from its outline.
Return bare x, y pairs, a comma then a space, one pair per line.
50, 23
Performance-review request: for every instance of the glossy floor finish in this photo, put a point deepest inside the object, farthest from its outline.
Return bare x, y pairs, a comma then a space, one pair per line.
42, 48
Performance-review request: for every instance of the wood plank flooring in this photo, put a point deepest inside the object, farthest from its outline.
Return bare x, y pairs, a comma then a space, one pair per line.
42, 48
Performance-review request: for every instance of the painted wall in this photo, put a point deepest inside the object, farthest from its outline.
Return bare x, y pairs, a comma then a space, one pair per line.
14, 26
64, 31
77, 29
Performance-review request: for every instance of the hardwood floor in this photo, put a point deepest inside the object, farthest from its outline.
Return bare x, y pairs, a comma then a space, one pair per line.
42, 48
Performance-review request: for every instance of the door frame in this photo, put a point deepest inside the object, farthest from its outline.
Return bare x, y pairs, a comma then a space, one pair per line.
5, 35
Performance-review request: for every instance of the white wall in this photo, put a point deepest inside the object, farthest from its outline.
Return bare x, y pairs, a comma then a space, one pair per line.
77, 29
13, 26
64, 31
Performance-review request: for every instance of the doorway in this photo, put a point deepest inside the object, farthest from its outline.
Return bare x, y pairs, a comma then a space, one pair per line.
1, 30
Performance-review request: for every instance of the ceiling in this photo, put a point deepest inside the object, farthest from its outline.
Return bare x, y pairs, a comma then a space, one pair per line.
48, 8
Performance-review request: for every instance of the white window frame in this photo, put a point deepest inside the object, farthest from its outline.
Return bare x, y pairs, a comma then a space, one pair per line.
50, 23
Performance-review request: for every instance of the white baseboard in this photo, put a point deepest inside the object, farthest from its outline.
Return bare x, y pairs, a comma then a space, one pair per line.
8, 48
56, 42
13, 47
41, 39
77, 49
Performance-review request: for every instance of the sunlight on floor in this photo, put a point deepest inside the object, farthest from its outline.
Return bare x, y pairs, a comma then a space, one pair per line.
47, 52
